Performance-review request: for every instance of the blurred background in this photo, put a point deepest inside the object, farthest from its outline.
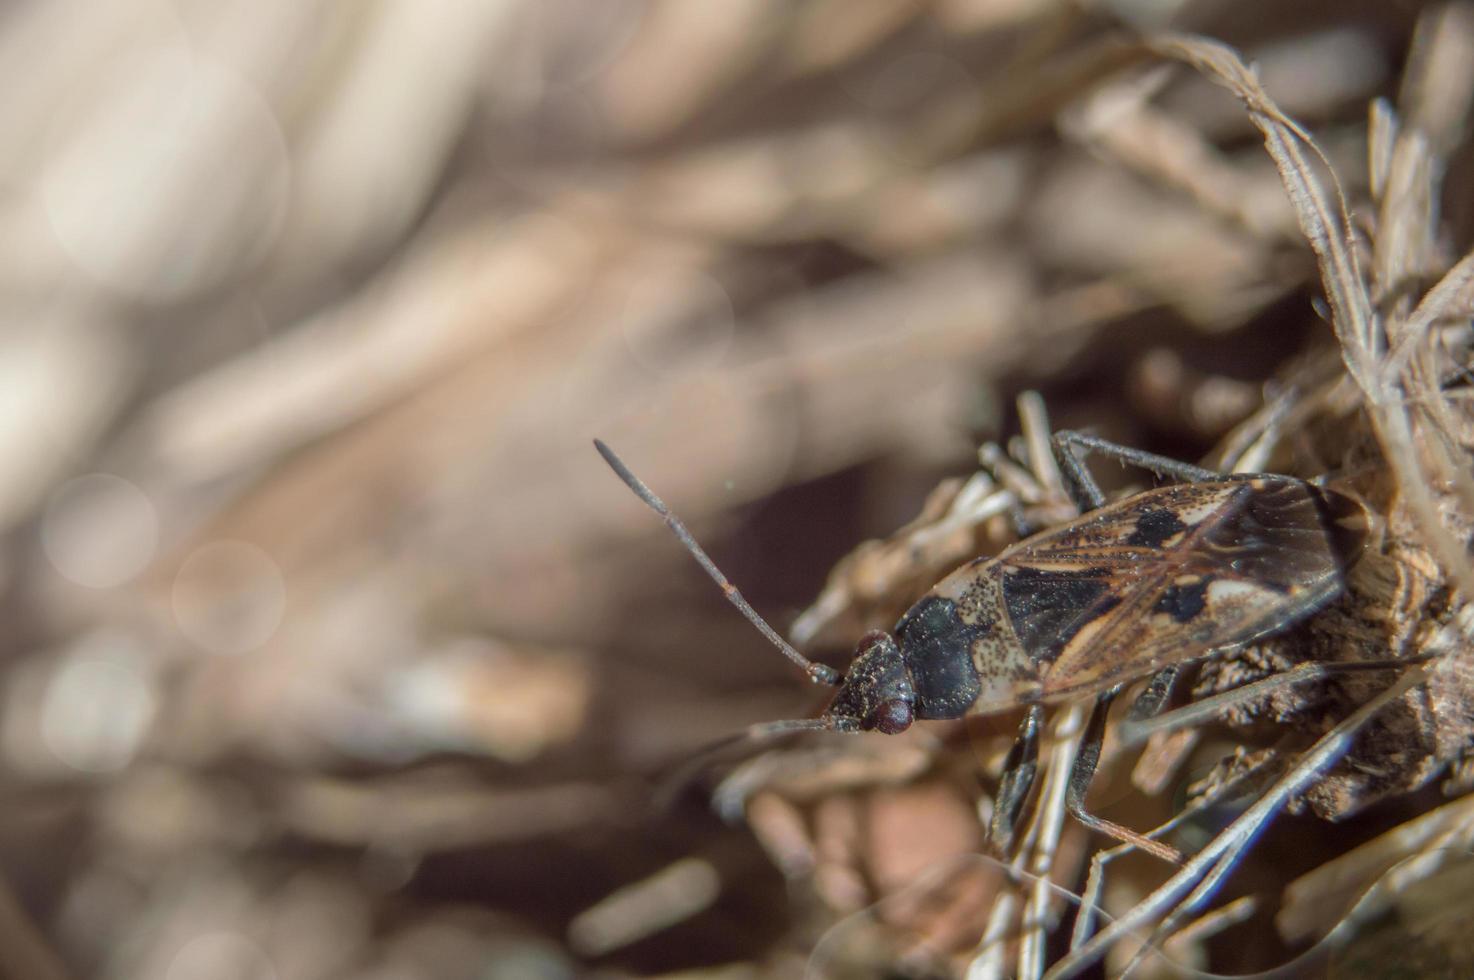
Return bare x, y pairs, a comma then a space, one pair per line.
331, 647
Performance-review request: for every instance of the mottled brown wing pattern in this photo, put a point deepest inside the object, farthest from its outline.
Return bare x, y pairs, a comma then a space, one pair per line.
1168, 576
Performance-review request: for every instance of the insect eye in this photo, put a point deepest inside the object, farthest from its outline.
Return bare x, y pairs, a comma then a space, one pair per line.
870, 639
892, 717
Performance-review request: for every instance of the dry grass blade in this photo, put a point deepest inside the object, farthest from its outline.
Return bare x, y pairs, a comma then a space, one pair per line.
1095, 880
1044, 842
1316, 902
1320, 204
1201, 875
1322, 210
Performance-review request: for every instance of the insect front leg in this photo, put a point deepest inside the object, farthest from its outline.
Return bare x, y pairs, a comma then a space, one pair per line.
1019, 770
1022, 526
1088, 757
1081, 485
1071, 448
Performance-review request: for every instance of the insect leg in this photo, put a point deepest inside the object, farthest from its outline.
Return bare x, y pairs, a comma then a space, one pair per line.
1070, 448
1088, 756
1081, 485
1085, 762
1019, 770
1022, 526
1150, 702
1137, 729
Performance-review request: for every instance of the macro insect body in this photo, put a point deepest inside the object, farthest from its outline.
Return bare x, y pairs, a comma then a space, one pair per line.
1132, 589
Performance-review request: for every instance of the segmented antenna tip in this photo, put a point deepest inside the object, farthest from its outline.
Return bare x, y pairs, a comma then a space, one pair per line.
818, 673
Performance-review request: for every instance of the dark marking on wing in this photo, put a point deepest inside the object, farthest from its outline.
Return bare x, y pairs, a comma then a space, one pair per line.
1154, 527
1048, 608
937, 647
1184, 602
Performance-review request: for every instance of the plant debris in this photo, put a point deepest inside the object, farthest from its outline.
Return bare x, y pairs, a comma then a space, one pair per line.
333, 649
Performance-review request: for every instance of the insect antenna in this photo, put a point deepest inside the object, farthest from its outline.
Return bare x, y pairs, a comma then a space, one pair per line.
818, 673
671, 785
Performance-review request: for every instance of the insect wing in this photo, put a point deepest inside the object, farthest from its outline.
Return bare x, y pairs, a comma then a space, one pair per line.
1170, 575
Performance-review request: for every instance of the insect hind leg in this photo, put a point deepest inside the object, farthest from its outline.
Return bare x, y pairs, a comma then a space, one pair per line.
1153, 699
1088, 757
1071, 448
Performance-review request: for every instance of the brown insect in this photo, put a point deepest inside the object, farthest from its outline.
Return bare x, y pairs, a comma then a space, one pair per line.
1135, 588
